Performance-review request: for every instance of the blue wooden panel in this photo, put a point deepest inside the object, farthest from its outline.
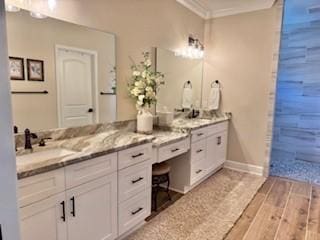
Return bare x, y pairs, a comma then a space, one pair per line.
296, 134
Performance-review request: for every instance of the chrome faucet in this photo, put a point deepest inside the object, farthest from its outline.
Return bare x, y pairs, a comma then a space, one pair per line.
28, 135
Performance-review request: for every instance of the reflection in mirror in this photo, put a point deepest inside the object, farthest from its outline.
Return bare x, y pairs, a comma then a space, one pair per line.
66, 72
183, 81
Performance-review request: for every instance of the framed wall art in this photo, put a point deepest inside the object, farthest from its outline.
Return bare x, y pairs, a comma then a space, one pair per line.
16, 68
35, 70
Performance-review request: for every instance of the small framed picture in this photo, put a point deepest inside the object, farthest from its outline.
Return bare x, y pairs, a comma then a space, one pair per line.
35, 70
16, 68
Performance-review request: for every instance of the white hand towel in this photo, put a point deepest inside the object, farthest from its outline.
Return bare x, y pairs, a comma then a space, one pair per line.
214, 97
187, 98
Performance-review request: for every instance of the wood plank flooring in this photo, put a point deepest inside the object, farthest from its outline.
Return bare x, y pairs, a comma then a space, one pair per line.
281, 210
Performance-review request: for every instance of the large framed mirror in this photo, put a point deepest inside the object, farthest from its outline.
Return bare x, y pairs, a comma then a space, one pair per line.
62, 74
183, 76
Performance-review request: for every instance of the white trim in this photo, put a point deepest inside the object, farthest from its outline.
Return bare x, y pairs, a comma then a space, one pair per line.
206, 13
244, 167
196, 7
250, 8
95, 85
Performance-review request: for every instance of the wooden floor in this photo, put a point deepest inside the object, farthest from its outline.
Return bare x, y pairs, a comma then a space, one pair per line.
281, 210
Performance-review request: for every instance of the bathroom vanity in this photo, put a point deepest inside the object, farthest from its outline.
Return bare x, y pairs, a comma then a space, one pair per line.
99, 186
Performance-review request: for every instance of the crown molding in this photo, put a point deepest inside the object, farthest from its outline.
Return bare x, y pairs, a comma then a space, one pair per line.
239, 10
196, 7
199, 9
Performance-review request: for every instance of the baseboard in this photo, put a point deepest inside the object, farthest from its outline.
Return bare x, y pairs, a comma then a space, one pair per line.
244, 167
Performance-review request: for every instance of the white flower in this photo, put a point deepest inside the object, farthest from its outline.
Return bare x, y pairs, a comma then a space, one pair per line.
141, 97
136, 73
144, 74
147, 63
149, 89
140, 84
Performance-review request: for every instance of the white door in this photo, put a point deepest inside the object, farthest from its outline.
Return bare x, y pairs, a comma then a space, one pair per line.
92, 210
44, 219
211, 162
75, 75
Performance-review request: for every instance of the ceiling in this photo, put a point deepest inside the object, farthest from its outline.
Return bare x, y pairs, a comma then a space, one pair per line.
219, 8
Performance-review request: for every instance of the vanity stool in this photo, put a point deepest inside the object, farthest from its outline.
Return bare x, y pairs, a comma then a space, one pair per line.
160, 175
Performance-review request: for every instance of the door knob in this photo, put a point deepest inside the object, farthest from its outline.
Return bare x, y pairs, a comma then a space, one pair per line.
90, 110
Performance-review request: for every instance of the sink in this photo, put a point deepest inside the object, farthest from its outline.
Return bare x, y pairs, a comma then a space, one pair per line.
43, 155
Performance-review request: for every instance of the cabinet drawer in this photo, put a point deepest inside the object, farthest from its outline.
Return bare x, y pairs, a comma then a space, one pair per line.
219, 127
89, 170
199, 134
134, 155
173, 150
198, 170
198, 151
39, 187
134, 211
134, 179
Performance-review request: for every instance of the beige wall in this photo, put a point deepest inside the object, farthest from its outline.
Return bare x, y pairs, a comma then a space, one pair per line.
239, 51
36, 39
138, 25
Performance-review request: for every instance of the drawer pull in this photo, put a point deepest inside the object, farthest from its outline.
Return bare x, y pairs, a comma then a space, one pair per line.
137, 180
200, 134
199, 151
63, 205
138, 155
73, 211
219, 140
137, 211
199, 171
175, 150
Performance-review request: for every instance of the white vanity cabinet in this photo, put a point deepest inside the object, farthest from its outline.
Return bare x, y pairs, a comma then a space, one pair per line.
78, 202
134, 190
207, 154
43, 219
216, 146
92, 210
97, 199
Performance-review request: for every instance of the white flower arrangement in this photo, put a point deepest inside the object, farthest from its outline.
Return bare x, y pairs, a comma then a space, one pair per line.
145, 83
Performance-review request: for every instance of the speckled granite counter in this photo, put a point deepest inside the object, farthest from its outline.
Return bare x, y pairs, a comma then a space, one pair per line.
186, 125
96, 140
164, 137
86, 147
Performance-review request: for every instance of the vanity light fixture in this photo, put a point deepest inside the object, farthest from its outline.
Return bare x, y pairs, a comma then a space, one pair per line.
195, 49
37, 15
11, 8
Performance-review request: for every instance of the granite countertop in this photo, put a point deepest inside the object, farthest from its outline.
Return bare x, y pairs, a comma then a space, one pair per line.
84, 148
186, 125
165, 137
101, 143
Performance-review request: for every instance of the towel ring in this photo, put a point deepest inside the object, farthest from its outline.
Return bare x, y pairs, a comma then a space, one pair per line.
215, 82
186, 84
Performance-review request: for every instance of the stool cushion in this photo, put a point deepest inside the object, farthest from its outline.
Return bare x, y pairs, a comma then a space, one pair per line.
160, 169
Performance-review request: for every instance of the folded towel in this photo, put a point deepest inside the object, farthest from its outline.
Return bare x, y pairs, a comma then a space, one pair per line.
187, 98
214, 97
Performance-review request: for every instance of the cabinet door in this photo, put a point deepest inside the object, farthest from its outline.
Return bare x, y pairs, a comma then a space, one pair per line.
92, 210
221, 147
44, 219
216, 150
